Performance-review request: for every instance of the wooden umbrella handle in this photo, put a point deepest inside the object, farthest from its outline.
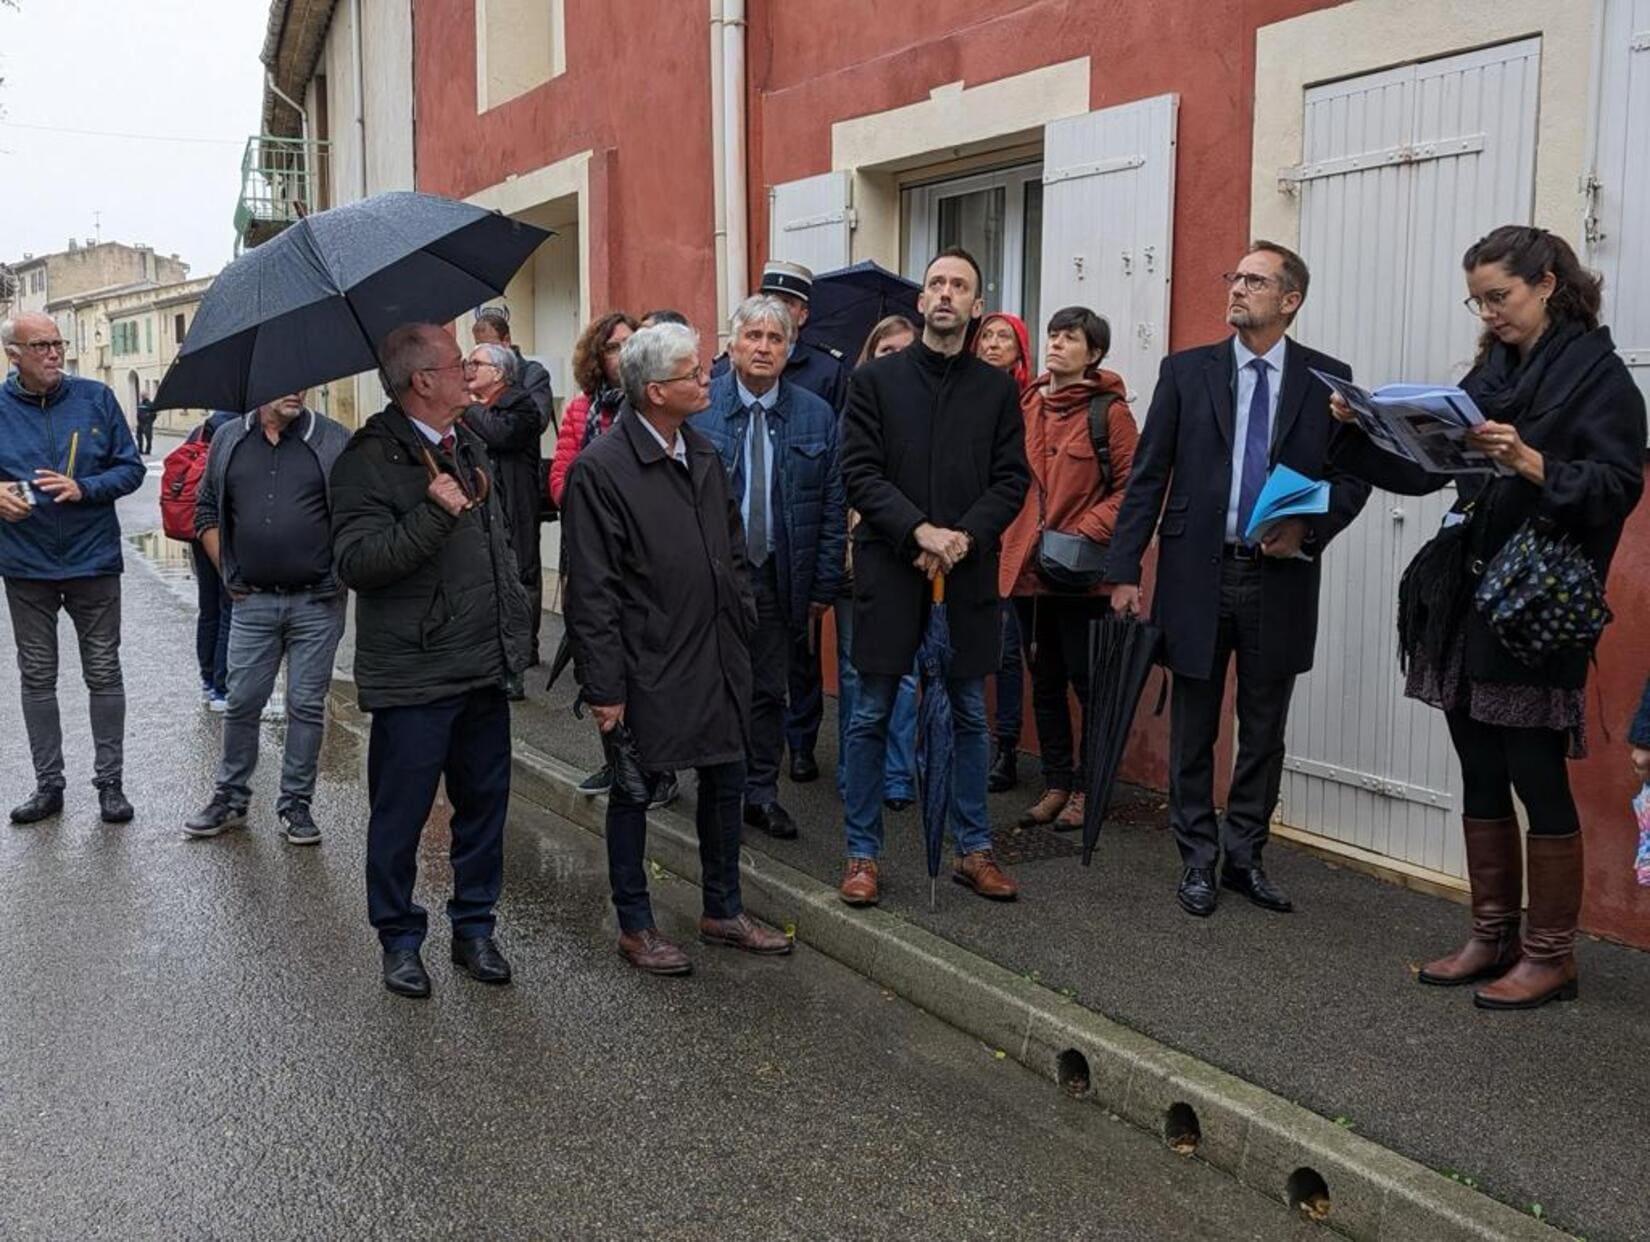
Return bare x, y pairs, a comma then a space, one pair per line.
939, 588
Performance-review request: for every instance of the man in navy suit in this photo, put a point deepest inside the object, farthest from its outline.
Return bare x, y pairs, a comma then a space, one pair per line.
1222, 416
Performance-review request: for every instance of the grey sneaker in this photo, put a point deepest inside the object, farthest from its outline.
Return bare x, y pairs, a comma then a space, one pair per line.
298, 826
216, 816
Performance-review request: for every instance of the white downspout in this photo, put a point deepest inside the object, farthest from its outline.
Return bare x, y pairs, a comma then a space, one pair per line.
718, 163
360, 91
733, 126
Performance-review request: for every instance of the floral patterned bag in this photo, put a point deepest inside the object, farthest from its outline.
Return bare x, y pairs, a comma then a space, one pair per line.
1541, 594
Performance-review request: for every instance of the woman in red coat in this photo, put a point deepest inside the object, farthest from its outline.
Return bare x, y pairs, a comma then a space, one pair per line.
596, 371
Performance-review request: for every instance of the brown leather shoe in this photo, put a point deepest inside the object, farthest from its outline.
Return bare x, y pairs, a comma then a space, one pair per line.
1047, 808
1071, 816
1495, 869
1547, 969
648, 950
859, 884
744, 933
982, 873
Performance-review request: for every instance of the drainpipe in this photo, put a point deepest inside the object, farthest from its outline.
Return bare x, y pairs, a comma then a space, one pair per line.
360, 91
303, 130
733, 148
718, 163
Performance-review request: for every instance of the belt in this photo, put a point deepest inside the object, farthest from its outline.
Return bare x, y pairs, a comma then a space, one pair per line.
1240, 552
314, 588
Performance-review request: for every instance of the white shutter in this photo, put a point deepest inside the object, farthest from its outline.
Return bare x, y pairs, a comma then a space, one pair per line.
1108, 218
1619, 232
809, 221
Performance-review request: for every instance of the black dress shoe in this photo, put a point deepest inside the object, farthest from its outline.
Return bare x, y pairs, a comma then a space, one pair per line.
404, 973
771, 818
1197, 891
803, 769
43, 803
1253, 884
478, 957
112, 804
1004, 773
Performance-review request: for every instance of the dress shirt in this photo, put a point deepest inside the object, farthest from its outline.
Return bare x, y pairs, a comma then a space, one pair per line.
278, 519
1240, 425
679, 453
767, 401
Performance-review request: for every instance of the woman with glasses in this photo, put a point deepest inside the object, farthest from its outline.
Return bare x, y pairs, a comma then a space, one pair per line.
507, 420
1565, 430
592, 411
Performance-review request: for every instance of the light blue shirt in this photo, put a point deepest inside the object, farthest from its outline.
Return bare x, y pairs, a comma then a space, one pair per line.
430, 433
767, 401
1240, 424
678, 451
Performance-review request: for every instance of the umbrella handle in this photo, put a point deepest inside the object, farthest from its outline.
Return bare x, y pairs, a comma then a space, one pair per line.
939, 588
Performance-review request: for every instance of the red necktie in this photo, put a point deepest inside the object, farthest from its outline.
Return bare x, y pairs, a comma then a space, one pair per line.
447, 443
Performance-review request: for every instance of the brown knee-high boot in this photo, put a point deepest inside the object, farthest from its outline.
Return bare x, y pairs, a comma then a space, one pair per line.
1547, 969
1495, 869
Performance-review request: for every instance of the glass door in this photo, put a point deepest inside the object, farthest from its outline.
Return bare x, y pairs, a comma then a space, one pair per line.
996, 217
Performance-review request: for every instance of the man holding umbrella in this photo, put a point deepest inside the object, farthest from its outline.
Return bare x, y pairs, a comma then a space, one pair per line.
441, 622
933, 458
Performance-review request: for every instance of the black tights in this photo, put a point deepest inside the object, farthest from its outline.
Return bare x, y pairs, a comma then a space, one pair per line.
1496, 759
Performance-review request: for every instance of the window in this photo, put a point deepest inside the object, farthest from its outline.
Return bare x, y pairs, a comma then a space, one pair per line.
519, 45
123, 338
148, 335
998, 218
179, 328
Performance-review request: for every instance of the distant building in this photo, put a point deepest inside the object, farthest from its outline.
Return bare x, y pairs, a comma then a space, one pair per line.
37, 281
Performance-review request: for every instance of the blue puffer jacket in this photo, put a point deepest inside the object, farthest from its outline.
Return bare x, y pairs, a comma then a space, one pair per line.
74, 539
808, 544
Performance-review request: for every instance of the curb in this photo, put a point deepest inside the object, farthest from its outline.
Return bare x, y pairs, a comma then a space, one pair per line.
1272, 1146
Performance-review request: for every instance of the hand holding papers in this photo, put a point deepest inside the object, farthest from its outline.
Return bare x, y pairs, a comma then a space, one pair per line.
1423, 423
1287, 494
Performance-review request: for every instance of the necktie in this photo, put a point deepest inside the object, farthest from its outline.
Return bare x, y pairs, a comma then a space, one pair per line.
1257, 445
447, 443
756, 532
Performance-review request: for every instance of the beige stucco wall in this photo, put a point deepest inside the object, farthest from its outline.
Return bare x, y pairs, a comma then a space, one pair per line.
1367, 35
520, 44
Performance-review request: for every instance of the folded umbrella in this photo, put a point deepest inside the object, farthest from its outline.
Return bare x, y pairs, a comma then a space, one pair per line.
1122, 651
845, 304
935, 742
312, 304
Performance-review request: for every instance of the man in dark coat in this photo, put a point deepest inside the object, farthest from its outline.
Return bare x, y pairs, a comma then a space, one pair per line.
440, 622
1222, 416
506, 419
660, 611
779, 446
933, 458
492, 327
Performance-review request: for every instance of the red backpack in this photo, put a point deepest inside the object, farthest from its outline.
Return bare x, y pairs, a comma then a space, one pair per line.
180, 482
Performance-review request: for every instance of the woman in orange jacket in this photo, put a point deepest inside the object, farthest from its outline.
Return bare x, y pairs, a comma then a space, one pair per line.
1080, 441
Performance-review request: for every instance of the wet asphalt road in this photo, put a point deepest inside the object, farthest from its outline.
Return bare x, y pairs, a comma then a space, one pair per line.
194, 1043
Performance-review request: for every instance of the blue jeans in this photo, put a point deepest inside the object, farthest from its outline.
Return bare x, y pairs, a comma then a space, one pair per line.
303, 628
212, 625
867, 752
899, 771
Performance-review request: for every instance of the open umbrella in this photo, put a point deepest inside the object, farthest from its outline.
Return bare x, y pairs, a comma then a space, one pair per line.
1122, 651
844, 305
311, 304
935, 742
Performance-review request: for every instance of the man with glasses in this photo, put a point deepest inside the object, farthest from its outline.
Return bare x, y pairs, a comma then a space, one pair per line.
660, 613
66, 456
441, 623
1221, 418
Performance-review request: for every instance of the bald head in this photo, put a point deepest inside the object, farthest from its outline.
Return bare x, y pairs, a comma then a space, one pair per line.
424, 370
33, 346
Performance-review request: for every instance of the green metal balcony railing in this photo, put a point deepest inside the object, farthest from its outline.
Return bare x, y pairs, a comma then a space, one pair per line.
279, 185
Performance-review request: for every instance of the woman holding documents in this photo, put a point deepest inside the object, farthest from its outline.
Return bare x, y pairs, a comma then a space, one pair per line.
1080, 440
1499, 613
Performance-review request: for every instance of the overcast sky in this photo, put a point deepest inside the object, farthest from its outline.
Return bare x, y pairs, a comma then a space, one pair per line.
163, 69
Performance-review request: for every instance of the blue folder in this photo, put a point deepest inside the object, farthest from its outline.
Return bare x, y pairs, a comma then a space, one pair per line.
1287, 493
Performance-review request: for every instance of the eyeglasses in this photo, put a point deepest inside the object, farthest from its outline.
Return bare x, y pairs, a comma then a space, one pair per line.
46, 347
1253, 282
1495, 299
697, 375
471, 366
463, 364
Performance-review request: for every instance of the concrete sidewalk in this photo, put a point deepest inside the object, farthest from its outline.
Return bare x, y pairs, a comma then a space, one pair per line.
1543, 1111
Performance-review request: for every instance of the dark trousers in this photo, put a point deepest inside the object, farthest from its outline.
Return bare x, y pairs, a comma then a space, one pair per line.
1194, 726
806, 707
1497, 759
212, 623
1056, 630
1011, 680
465, 738
146, 435
721, 793
771, 652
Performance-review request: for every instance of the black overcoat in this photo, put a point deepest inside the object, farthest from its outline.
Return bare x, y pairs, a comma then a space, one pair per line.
1185, 455
1587, 420
930, 438
659, 604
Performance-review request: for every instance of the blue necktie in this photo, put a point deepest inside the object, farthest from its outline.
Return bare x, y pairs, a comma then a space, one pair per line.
1257, 446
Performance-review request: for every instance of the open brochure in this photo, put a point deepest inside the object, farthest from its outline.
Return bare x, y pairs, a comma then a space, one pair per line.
1423, 423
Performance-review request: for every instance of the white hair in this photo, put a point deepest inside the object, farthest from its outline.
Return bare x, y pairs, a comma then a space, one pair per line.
502, 357
762, 308
649, 356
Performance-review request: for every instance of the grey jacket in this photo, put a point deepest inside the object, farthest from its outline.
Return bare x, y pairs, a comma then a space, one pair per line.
324, 437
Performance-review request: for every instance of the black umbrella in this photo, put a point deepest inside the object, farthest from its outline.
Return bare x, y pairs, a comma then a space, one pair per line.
1122, 651
311, 304
844, 305
936, 746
